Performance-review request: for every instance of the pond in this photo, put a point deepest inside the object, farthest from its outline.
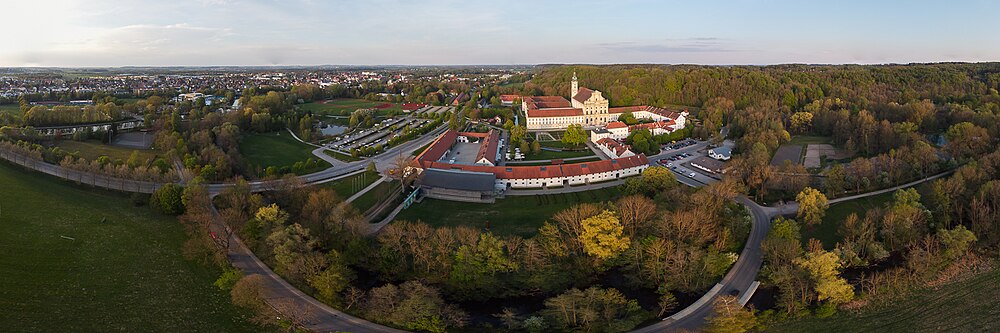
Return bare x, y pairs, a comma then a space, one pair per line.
332, 129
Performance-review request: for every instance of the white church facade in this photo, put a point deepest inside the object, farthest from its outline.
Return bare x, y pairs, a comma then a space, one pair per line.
588, 108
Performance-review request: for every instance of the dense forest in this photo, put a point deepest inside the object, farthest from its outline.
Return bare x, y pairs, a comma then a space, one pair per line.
793, 86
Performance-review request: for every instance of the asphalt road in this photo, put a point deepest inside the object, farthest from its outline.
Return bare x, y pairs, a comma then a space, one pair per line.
739, 278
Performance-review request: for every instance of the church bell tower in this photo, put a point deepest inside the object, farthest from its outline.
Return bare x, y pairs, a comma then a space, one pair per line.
575, 88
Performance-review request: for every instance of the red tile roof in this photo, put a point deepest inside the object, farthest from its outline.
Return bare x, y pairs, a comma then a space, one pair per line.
437, 148
613, 145
429, 159
488, 148
546, 102
509, 98
665, 125
616, 124
562, 112
583, 94
647, 108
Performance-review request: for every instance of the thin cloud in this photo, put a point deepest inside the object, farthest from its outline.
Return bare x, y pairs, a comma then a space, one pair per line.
673, 45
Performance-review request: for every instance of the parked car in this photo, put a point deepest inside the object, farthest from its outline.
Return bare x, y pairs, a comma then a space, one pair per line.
670, 164
692, 175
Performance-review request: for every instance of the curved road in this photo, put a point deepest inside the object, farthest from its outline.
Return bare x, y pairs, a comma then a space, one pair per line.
320, 317
743, 273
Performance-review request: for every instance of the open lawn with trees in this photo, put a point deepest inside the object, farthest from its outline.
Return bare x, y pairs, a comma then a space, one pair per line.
513, 215
277, 149
79, 259
826, 231
92, 149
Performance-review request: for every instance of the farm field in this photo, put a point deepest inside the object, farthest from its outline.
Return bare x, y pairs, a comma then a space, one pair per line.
972, 305
277, 149
514, 215
91, 150
77, 259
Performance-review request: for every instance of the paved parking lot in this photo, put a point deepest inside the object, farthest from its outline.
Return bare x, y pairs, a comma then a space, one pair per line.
378, 134
681, 164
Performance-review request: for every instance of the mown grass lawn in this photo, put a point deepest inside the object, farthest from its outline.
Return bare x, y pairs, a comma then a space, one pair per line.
347, 187
277, 149
92, 149
341, 156
374, 196
13, 109
513, 215
972, 305
552, 155
76, 259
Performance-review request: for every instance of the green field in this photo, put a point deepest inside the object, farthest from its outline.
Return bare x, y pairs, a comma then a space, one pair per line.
344, 106
836, 214
13, 109
592, 159
342, 157
278, 149
374, 196
82, 260
552, 155
91, 150
513, 215
347, 187
967, 306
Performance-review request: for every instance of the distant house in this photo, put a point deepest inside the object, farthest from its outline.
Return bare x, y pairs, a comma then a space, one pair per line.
721, 153
509, 100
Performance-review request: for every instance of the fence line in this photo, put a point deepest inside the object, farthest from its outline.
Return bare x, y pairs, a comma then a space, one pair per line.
82, 177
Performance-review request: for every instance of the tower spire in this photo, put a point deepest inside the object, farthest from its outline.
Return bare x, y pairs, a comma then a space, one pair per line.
574, 88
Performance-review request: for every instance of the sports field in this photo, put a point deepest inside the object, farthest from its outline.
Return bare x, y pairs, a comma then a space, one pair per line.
76, 259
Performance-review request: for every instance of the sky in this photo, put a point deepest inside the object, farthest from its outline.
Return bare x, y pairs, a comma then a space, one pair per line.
101, 33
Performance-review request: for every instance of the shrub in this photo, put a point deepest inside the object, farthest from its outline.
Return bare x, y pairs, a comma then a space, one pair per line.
167, 199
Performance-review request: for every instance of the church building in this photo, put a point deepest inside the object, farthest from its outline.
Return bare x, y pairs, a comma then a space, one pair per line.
586, 107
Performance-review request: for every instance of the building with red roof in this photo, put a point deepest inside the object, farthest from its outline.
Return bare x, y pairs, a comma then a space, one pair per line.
509, 100
586, 107
437, 156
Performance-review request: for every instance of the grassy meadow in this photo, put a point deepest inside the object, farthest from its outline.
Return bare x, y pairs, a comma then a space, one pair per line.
77, 259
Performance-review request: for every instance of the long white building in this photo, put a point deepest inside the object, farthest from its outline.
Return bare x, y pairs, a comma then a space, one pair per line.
586, 107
